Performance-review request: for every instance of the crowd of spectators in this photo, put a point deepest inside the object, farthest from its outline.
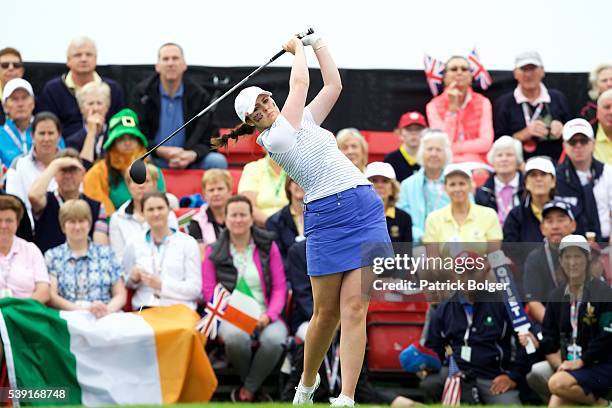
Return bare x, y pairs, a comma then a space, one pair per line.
76, 233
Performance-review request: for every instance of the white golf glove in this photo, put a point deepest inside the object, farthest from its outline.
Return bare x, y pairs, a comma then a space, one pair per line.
314, 40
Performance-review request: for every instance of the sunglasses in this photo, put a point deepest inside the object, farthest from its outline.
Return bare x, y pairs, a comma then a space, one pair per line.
575, 140
16, 65
455, 69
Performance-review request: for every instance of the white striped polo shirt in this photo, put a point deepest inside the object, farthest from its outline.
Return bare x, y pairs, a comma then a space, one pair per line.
310, 156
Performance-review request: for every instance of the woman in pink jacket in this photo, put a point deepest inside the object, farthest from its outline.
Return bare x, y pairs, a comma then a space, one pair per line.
247, 256
466, 116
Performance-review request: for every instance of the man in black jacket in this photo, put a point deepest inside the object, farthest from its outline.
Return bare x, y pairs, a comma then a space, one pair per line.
164, 102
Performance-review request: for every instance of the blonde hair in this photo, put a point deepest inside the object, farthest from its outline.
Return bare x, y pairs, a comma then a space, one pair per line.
216, 175
395, 191
345, 135
80, 41
94, 89
74, 210
434, 134
593, 77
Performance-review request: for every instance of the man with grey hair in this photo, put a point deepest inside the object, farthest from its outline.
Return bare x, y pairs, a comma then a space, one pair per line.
164, 102
58, 94
603, 135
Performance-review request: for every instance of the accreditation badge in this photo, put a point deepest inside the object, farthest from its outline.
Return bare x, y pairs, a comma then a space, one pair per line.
574, 352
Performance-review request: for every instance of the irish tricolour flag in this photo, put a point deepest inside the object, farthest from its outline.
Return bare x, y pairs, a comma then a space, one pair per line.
243, 310
151, 357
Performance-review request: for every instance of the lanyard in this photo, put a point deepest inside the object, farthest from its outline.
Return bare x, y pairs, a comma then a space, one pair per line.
504, 210
332, 372
281, 182
22, 144
574, 310
469, 316
438, 193
160, 250
530, 118
549, 261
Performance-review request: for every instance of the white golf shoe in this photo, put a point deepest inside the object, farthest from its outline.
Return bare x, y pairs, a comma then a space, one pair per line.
303, 395
342, 401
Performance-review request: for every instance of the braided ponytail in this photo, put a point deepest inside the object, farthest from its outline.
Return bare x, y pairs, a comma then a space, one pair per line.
222, 140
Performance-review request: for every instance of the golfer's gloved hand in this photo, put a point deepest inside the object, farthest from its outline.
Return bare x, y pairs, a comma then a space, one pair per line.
314, 40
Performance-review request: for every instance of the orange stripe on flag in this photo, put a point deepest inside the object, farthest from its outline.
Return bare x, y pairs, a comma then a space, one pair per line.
240, 319
185, 372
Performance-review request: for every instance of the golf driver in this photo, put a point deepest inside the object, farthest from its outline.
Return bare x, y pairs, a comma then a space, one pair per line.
138, 171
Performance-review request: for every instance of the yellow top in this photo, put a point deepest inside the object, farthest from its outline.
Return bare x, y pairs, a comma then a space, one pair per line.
603, 146
259, 177
481, 225
537, 212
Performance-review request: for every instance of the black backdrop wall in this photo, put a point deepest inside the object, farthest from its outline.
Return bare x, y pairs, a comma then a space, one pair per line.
371, 99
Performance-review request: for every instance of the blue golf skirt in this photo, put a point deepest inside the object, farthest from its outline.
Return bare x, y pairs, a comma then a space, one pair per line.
345, 231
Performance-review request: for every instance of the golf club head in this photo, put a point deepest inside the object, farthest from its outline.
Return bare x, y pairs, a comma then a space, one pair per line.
138, 171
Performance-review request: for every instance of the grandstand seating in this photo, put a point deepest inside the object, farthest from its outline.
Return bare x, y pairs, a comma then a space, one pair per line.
380, 143
182, 183
241, 151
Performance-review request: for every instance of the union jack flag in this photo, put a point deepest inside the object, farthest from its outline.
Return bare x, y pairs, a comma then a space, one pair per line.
451, 396
479, 73
434, 71
213, 312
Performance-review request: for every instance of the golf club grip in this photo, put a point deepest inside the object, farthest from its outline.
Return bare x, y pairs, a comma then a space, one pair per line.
300, 36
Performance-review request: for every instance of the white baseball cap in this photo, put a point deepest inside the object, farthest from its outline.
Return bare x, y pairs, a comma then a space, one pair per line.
14, 84
575, 127
244, 104
575, 241
528, 58
380, 169
457, 168
540, 163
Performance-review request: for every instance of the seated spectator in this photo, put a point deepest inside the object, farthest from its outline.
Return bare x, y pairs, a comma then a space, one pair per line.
288, 223
105, 181
399, 223
462, 221
354, 146
532, 113
58, 94
585, 181
164, 102
403, 160
84, 275
128, 223
251, 253
16, 135
600, 80
163, 265
46, 135
263, 183
503, 189
68, 172
94, 101
603, 136
423, 192
11, 67
464, 115
207, 223
24, 227
24, 274
577, 331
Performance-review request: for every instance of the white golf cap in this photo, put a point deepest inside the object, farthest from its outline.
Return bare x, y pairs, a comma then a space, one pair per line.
14, 84
575, 127
244, 104
575, 241
380, 169
540, 163
461, 168
528, 58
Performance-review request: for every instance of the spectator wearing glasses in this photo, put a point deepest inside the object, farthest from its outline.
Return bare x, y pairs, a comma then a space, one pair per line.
11, 67
466, 116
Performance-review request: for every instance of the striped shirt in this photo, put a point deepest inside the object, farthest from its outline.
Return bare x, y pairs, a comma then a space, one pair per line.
310, 156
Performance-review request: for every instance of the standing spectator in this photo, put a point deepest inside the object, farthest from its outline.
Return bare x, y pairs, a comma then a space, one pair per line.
46, 144
399, 223
68, 172
603, 137
246, 252
94, 100
532, 113
288, 223
16, 134
163, 264
24, 274
585, 180
403, 160
58, 95
354, 146
11, 67
503, 189
105, 181
263, 183
465, 116
423, 192
207, 223
164, 102
128, 223
600, 80
84, 275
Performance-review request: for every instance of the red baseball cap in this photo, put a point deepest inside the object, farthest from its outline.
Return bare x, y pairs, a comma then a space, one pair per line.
412, 118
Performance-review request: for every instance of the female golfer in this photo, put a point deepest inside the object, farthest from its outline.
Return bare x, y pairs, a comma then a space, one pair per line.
343, 213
